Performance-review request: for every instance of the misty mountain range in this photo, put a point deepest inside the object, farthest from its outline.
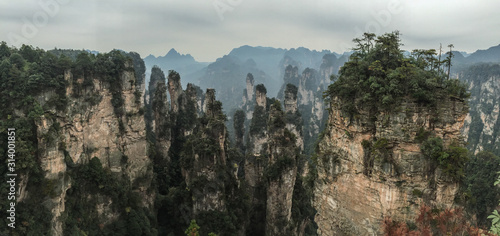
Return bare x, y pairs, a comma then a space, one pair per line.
267, 64
227, 74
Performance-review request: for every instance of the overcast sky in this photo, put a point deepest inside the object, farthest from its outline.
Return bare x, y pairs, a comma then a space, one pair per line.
208, 29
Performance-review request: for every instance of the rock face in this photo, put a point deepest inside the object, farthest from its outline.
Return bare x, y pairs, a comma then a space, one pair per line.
209, 102
248, 97
294, 122
290, 101
257, 137
175, 90
195, 94
309, 87
91, 127
249, 89
273, 149
258, 134
157, 75
327, 69
355, 190
291, 75
280, 174
199, 181
482, 125
160, 109
260, 95
203, 167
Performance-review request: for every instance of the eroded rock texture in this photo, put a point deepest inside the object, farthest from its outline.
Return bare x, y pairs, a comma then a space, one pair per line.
371, 166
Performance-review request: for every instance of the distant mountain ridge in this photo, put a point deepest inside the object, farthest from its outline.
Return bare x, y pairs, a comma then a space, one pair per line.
268, 64
227, 74
172, 55
185, 64
491, 54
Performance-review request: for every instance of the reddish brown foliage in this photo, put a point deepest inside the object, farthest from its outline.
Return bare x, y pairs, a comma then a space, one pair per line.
434, 222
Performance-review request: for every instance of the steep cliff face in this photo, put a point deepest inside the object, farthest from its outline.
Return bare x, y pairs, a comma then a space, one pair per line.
205, 159
280, 173
157, 75
294, 122
257, 137
95, 124
271, 168
160, 112
249, 95
199, 182
482, 125
309, 86
257, 133
372, 166
329, 66
260, 95
175, 90
195, 94
291, 75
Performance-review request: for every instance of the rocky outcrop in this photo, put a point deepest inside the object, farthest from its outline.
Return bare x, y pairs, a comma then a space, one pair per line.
294, 122
371, 166
482, 124
291, 75
195, 94
209, 102
290, 102
310, 87
93, 126
258, 133
257, 137
248, 96
327, 69
175, 90
273, 148
280, 174
205, 158
160, 109
157, 75
318, 118
260, 95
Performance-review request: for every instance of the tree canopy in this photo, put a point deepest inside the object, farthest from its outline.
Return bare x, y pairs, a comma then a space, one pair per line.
378, 75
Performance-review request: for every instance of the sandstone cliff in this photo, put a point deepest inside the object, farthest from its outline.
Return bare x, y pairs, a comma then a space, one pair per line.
271, 168
310, 87
103, 120
372, 166
482, 124
160, 112
248, 97
294, 122
205, 158
280, 174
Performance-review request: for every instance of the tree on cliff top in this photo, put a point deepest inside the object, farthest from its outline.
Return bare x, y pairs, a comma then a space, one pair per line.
378, 76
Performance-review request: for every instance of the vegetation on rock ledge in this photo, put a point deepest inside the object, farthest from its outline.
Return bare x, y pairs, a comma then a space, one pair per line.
378, 76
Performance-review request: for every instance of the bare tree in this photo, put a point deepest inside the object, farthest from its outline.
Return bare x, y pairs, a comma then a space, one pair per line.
450, 55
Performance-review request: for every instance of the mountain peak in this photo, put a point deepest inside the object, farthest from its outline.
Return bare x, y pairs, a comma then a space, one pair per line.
172, 53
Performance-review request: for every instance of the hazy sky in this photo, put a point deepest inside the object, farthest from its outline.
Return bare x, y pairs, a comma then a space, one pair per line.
208, 29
